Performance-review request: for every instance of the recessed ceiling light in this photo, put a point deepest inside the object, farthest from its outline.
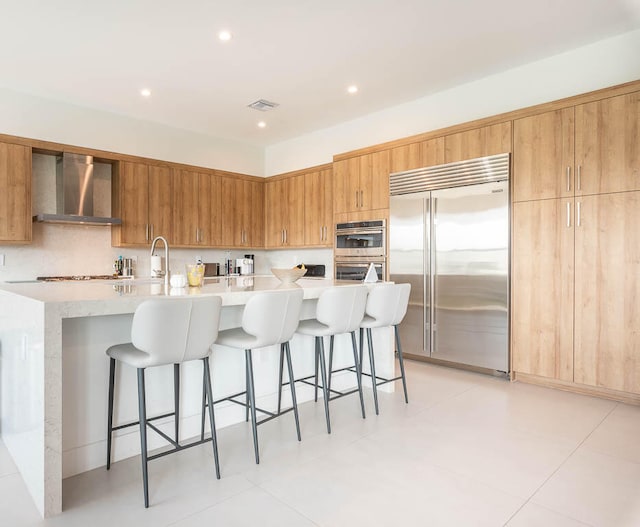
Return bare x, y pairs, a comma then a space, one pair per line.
145, 92
262, 124
352, 89
224, 35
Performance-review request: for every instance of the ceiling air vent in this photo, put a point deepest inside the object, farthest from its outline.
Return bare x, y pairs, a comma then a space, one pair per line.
263, 105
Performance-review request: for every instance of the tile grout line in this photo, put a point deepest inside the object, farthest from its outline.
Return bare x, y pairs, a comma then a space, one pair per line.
289, 506
559, 467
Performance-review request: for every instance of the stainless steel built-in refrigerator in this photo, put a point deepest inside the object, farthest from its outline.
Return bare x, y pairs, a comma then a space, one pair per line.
449, 237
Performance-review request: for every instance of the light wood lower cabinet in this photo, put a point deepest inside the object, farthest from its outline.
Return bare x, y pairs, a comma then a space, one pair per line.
15, 197
607, 292
142, 199
542, 288
575, 290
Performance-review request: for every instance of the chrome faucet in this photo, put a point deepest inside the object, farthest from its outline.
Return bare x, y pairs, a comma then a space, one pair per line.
166, 258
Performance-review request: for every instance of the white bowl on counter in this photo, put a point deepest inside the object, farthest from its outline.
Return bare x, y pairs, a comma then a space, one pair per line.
288, 276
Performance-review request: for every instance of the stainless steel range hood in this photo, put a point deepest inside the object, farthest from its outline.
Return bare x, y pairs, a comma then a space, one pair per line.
74, 193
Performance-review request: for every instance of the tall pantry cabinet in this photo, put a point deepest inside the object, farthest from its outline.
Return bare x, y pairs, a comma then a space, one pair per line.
576, 254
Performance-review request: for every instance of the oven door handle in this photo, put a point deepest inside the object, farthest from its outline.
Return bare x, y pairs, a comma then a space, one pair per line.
344, 232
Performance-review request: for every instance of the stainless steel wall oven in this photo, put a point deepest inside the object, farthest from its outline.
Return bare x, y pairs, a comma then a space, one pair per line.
357, 245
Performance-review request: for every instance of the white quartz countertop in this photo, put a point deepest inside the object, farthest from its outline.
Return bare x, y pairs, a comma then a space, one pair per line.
120, 295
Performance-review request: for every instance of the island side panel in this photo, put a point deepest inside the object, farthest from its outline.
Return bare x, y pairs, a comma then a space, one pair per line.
23, 397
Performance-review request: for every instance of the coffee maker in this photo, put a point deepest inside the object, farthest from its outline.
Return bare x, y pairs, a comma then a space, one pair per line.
245, 265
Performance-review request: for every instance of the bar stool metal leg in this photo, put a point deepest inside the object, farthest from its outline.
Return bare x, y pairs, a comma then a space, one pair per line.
246, 384
330, 362
315, 380
374, 379
358, 371
252, 399
204, 405
280, 372
401, 361
176, 399
293, 390
212, 420
323, 374
142, 413
112, 377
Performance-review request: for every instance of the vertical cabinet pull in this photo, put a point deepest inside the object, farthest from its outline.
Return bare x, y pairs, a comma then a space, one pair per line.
151, 236
285, 236
578, 220
146, 232
568, 214
356, 199
568, 179
321, 233
579, 185
362, 198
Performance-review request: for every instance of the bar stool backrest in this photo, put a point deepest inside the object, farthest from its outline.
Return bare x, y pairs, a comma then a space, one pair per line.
387, 303
177, 329
272, 317
342, 308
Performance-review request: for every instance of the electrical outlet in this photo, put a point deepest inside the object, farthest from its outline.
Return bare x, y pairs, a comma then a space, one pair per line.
1, 260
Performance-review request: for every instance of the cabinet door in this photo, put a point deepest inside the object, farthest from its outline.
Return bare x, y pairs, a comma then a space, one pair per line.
232, 211
185, 207
485, 141
253, 214
417, 155
160, 201
608, 145
318, 208
133, 191
293, 211
543, 156
209, 210
607, 301
542, 288
15, 198
275, 204
346, 185
374, 181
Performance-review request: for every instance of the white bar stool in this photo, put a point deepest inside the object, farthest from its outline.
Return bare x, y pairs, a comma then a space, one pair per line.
166, 331
386, 306
339, 311
268, 319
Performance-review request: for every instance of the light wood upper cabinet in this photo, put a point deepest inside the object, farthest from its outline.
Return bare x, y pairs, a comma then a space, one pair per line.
607, 292
284, 212
196, 209
15, 198
361, 182
417, 155
242, 212
542, 288
142, 199
543, 150
608, 145
480, 142
318, 209
209, 210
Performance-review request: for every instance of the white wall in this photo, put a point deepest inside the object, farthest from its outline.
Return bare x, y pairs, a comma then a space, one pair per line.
38, 118
605, 63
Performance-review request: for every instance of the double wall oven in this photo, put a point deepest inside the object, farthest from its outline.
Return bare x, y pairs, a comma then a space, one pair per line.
357, 245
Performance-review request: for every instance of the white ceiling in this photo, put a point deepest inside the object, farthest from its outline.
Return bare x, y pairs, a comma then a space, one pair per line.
300, 53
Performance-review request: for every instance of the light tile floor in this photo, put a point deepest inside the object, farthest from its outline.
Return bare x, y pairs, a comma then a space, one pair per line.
467, 450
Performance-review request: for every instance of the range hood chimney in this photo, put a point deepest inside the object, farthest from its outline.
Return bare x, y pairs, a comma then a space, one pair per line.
74, 193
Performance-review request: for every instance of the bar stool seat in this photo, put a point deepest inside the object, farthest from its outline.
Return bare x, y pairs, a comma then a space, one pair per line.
268, 319
165, 331
386, 307
339, 311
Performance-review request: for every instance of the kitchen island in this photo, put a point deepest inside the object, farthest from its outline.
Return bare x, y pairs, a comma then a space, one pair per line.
54, 371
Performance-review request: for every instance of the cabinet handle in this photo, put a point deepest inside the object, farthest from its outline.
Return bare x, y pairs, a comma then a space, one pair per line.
361, 200
285, 236
568, 179
568, 214
197, 236
151, 231
579, 177
146, 232
356, 199
321, 233
325, 233
578, 214
244, 236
